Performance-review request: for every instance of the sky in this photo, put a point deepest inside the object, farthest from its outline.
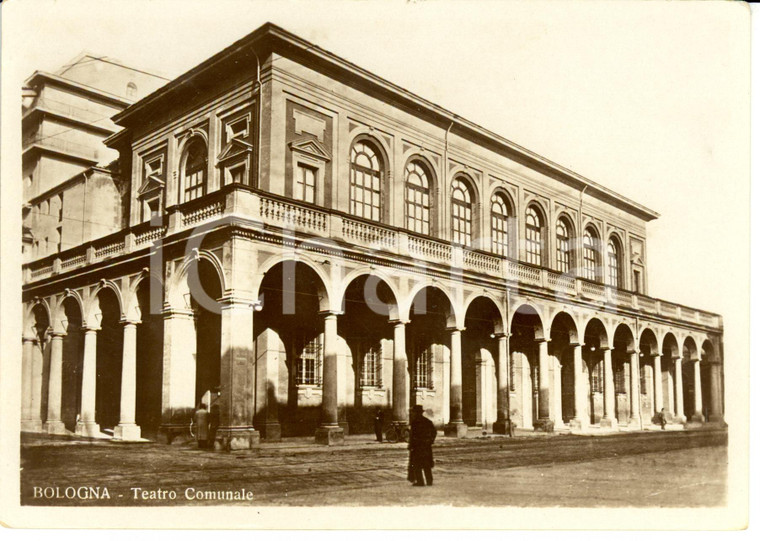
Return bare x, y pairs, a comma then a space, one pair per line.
647, 98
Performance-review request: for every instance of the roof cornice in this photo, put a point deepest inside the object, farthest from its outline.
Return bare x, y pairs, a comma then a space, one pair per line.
286, 41
41, 76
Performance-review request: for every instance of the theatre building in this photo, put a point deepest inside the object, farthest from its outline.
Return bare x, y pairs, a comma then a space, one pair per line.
300, 242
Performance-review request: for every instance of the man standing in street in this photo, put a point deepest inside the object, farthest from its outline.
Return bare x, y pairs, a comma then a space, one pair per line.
200, 419
421, 447
379, 422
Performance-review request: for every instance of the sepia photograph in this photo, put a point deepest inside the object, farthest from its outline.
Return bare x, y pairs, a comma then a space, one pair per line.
457, 263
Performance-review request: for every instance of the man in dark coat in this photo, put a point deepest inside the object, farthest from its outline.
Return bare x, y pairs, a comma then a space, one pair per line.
379, 421
421, 447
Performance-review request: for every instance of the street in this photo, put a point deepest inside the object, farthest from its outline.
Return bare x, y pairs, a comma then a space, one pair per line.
659, 469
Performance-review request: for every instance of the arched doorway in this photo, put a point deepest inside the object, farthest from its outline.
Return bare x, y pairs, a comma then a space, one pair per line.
149, 365
73, 350
669, 355
692, 396
483, 321
364, 325
526, 331
564, 340
651, 391
622, 372
208, 334
109, 348
428, 350
289, 349
594, 342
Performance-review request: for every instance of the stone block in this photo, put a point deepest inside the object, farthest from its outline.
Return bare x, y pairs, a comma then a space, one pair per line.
455, 430
127, 433
329, 435
237, 439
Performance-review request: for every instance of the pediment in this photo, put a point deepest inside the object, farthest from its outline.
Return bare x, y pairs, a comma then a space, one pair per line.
311, 148
152, 183
235, 147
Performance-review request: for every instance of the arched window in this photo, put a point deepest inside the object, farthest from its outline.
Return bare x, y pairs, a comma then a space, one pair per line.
499, 225
417, 198
461, 212
366, 179
534, 232
564, 251
196, 167
613, 263
590, 254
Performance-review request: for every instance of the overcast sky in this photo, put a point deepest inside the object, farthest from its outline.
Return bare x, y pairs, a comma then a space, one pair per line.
649, 99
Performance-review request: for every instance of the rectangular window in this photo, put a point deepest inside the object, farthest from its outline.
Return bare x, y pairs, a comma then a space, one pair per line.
597, 377
309, 363
533, 245
306, 184
589, 262
619, 376
60, 208
563, 255
371, 367
59, 230
237, 128
422, 367
365, 194
499, 234
194, 185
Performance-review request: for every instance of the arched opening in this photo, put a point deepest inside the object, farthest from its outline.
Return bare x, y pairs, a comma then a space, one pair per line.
364, 325
565, 252
591, 254
195, 169
689, 357
109, 350
40, 365
648, 350
429, 354
479, 359
73, 351
150, 343
535, 224
594, 340
526, 329
208, 334
501, 219
621, 372
367, 180
564, 340
289, 352
709, 363
614, 267
419, 210
462, 211
669, 355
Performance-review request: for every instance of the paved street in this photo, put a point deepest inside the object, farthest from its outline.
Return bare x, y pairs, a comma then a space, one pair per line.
670, 469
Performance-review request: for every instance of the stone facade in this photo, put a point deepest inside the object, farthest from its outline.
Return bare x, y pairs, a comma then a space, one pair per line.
305, 243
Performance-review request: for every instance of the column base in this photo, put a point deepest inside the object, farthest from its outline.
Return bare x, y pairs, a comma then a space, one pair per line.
716, 420
174, 434
271, 432
329, 435
88, 429
55, 427
130, 432
504, 427
578, 423
236, 438
543, 425
635, 423
31, 426
697, 418
455, 430
608, 422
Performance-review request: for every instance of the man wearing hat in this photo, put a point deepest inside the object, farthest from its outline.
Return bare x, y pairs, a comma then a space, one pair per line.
421, 447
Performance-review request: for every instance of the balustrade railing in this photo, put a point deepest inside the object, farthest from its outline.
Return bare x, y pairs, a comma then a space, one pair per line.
274, 211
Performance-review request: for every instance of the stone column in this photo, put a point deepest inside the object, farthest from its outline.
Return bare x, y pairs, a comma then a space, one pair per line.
544, 422
502, 387
456, 426
580, 417
329, 431
609, 420
178, 394
235, 402
716, 401
635, 398
697, 417
86, 425
27, 377
657, 382
679, 390
400, 396
54, 424
127, 430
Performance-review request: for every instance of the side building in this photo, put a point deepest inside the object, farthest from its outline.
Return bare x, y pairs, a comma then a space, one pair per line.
305, 242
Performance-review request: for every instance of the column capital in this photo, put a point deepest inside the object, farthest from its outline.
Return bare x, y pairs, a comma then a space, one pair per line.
396, 322
90, 328
327, 313
130, 321
232, 301
27, 338
543, 339
175, 313
501, 335
455, 328
57, 334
